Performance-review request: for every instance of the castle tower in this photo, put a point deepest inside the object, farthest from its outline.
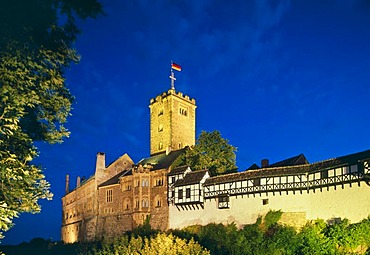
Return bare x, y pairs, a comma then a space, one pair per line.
172, 122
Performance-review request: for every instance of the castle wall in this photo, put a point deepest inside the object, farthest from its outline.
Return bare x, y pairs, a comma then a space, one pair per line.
351, 202
158, 202
79, 207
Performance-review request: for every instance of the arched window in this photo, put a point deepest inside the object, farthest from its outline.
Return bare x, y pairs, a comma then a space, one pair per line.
145, 203
126, 204
158, 202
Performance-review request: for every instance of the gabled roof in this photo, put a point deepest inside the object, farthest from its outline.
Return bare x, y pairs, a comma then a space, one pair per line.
289, 170
115, 179
178, 170
161, 161
253, 167
191, 178
293, 161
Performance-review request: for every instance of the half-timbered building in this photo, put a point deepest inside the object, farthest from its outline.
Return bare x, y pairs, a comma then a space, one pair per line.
332, 189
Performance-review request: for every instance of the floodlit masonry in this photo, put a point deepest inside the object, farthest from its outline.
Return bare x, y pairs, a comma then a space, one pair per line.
121, 196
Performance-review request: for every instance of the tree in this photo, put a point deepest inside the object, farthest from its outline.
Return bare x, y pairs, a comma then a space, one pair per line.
161, 243
36, 45
211, 152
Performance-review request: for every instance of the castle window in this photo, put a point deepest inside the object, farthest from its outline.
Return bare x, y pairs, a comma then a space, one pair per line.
160, 128
180, 145
145, 183
158, 202
137, 204
183, 111
160, 146
188, 193
109, 195
265, 201
128, 187
160, 111
159, 182
223, 202
180, 194
127, 204
324, 174
257, 182
145, 203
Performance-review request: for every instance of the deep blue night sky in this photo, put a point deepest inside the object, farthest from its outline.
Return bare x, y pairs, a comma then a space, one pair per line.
276, 78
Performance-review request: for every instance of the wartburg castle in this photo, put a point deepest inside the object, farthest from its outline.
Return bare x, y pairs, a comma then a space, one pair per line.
121, 196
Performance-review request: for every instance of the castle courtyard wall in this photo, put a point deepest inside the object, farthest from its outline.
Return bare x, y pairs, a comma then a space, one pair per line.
351, 202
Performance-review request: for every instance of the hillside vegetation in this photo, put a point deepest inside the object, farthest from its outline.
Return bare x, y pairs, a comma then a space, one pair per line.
265, 236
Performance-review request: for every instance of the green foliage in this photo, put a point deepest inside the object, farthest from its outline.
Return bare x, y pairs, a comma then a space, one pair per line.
267, 236
155, 245
314, 240
144, 230
211, 152
317, 237
35, 49
271, 218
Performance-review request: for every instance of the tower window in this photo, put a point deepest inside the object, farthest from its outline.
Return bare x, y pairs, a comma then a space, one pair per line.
160, 111
160, 146
183, 111
160, 128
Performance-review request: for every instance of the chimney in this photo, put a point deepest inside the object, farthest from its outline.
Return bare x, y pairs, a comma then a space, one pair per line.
265, 163
67, 184
78, 181
100, 161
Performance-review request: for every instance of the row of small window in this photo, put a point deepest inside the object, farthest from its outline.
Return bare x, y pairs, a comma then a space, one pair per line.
87, 207
144, 183
144, 204
182, 110
290, 179
181, 193
160, 146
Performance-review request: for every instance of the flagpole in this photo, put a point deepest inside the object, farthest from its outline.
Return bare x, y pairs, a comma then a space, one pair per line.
172, 77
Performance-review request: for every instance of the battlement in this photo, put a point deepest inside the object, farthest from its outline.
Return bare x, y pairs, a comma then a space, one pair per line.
159, 98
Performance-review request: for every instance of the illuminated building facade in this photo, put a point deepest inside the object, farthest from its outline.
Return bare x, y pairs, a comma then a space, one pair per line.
122, 195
